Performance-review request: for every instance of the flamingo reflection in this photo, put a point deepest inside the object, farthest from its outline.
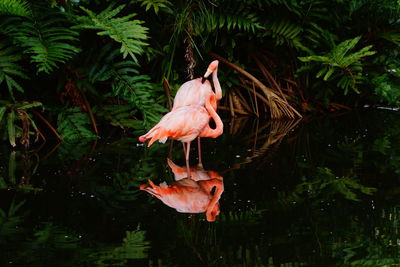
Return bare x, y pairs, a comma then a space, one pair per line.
190, 195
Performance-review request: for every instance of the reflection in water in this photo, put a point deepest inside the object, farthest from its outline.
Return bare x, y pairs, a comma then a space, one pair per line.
190, 195
293, 198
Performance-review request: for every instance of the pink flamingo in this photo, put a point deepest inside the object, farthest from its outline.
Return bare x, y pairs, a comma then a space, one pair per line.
194, 92
185, 124
188, 195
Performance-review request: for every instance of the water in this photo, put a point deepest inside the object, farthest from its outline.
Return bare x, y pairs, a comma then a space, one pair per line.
320, 192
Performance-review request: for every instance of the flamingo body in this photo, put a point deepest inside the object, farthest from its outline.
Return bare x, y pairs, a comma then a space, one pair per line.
193, 92
185, 124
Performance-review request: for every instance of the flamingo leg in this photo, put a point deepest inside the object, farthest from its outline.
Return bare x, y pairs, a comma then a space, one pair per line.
199, 150
184, 148
187, 159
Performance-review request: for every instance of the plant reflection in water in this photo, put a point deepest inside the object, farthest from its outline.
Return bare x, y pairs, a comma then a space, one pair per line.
190, 195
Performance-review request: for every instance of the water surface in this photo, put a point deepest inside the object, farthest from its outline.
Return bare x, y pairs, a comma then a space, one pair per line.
320, 192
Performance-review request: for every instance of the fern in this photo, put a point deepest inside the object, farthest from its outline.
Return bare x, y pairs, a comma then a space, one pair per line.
119, 115
156, 5
139, 92
15, 8
47, 40
130, 33
127, 83
9, 69
387, 88
231, 18
341, 61
72, 125
391, 36
284, 31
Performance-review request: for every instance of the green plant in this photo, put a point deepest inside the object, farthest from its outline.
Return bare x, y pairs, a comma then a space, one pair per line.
341, 65
129, 33
10, 69
72, 125
10, 114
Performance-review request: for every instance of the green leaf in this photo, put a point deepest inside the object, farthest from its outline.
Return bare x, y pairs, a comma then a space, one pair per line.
129, 33
2, 111
329, 73
11, 128
9, 69
72, 125
47, 39
15, 8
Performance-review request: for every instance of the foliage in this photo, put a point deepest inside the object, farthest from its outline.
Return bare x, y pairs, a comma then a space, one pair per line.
47, 41
387, 88
127, 84
11, 114
9, 68
156, 5
72, 125
10, 220
113, 56
15, 7
327, 184
134, 246
339, 60
130, 33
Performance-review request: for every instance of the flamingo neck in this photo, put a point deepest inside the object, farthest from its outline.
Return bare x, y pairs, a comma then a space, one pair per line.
217, 85
208, 131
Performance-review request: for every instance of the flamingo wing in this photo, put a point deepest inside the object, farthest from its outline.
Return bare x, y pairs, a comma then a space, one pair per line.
192, 93
183, 124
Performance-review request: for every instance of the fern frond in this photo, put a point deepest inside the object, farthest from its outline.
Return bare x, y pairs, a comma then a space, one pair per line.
129, 33
156, 5
284, 31
72, 125
391, 36
339, 56
240, 17
15, 8
127, 83
342, 65
138, 91
47, 40
9, 69
119, 115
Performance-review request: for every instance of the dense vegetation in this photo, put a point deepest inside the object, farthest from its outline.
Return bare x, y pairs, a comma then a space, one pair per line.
68, 65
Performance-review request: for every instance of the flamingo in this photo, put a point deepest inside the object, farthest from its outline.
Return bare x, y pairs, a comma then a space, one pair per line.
185, 124
188, 195
194, 92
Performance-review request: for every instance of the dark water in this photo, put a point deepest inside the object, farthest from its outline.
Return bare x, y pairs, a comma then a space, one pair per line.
320, 192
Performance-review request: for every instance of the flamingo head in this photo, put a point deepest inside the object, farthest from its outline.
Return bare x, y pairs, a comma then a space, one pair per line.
211, 68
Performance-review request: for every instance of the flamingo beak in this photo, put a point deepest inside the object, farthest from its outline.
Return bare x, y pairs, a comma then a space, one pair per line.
208, 72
